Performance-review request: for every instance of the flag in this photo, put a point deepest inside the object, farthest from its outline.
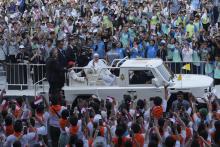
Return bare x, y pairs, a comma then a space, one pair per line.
38, 100
179, 78
186, 67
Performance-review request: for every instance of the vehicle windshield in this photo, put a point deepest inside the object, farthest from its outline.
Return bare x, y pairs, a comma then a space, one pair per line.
165, 72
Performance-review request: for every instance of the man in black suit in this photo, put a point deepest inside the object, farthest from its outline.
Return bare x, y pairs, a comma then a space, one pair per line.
55, 72
61, 53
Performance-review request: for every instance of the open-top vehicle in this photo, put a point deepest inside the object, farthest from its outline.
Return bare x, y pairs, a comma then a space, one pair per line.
141, 78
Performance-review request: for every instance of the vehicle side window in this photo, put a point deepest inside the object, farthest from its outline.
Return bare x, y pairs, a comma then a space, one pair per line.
140, 77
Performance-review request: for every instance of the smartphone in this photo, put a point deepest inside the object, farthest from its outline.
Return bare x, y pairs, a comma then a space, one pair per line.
25, 129
68, 107
131, 133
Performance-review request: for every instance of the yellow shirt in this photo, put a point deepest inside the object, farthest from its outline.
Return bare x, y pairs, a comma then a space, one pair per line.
190, 30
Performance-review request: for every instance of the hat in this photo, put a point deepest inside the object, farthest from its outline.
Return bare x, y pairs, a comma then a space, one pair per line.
21, 46
71, 63
163, 42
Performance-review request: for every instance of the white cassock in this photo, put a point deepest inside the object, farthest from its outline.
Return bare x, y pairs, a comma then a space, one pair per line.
75, 78
100, 68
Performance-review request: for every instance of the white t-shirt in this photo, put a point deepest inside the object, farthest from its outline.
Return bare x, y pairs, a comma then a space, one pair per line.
95, 20
187, 55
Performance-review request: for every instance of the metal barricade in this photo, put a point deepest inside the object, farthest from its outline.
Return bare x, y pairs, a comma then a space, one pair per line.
23, 76
195, 67
17, 76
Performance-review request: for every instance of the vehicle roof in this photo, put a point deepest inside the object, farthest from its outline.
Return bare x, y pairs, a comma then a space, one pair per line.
142, 63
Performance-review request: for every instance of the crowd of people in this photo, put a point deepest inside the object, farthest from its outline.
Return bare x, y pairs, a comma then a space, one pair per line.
179, 31
67, 33
178, 120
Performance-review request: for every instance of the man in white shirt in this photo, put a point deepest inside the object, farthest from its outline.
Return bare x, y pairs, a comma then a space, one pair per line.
187, 53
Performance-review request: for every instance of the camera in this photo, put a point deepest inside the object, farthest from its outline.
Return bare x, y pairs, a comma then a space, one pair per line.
179, 105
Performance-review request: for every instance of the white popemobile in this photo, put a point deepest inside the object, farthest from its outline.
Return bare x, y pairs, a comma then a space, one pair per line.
140, 78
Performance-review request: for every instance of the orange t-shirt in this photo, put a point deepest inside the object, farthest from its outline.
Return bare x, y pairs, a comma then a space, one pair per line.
157, 112
54, 108
9, 130
102, 131
74, 130
139, 138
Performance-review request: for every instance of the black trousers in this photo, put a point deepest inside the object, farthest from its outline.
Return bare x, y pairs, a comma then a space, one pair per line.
55, 87
54, 134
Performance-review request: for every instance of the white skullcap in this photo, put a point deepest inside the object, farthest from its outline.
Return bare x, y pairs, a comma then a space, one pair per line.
21, 46
96, 55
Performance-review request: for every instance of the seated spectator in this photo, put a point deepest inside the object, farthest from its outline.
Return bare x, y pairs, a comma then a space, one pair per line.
75, 78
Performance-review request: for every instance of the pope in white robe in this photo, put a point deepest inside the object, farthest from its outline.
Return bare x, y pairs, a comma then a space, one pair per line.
99, 67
